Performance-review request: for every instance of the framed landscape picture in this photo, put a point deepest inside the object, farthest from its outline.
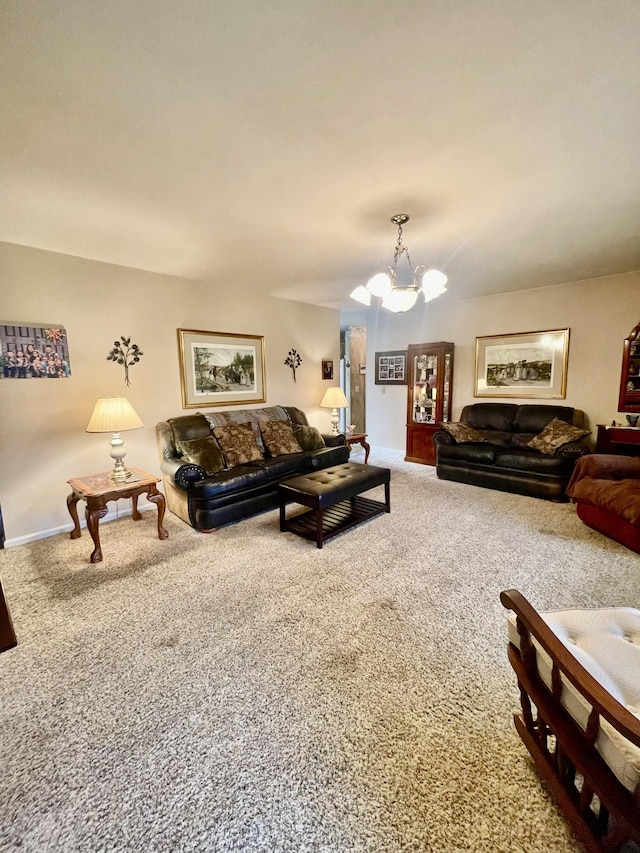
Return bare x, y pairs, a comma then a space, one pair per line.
526, 364
391, 368
221, 369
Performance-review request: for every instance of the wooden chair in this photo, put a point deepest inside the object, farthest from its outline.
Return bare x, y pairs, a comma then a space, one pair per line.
584, 741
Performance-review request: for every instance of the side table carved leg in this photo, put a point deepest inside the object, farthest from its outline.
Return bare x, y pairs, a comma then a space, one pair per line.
367, 448
72, 501
93, 514
157, 498
134, 508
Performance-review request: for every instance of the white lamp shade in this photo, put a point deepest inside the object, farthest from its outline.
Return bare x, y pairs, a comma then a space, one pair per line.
361, 294
113, 414
400, 300
334, 399
434, 283
380, 284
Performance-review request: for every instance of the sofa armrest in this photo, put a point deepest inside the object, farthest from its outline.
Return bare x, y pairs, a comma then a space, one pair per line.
332, 439
572, 450
443, 437
181, 472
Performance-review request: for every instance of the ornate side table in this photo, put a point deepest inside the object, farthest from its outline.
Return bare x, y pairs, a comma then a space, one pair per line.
361, 439
97, 490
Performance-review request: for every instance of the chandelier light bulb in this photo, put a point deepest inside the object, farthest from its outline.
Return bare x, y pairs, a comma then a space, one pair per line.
380, 284
400, 300
361, 294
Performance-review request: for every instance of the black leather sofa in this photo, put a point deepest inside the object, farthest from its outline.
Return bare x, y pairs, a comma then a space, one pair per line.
210, 501
501, 459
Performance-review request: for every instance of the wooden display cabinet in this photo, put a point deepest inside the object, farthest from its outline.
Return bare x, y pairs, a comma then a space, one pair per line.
430, 391
629, 398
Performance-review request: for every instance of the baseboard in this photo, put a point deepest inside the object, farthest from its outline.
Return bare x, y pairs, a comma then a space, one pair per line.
67, 528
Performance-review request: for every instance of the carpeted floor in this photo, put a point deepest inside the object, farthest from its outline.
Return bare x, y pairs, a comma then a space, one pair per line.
245, 691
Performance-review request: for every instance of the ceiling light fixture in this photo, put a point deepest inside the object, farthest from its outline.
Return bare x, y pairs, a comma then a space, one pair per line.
401, 297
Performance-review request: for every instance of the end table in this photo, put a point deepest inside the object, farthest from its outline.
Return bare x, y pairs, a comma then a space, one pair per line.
97, 490
361, 439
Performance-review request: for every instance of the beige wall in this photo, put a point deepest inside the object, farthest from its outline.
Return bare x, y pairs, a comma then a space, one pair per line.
42, 422
599, 312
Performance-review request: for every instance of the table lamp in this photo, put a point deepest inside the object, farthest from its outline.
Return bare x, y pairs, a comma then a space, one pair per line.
115, 415
334, 399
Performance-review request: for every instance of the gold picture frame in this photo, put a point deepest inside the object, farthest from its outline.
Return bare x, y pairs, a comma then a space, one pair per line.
524, 364
221, 368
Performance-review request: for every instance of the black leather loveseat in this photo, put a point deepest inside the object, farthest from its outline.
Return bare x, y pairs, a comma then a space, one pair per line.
227, 492
493, 448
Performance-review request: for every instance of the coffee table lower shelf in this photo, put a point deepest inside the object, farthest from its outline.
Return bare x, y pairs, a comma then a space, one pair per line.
335, 519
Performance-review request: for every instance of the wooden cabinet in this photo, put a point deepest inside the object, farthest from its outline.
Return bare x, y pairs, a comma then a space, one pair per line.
620, 440
629, 399
430, 390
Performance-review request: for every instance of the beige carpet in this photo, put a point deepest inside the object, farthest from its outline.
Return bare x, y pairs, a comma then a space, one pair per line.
244, 691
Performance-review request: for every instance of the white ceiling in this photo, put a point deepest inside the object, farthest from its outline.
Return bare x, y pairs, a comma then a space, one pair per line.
266, 144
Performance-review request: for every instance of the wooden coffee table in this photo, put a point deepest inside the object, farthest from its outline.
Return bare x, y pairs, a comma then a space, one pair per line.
97, 490
334, 498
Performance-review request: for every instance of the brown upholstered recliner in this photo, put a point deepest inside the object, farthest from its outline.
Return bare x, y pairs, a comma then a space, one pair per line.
579, 677
606, 491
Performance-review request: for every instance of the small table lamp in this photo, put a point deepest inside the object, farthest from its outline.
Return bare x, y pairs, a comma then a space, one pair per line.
334, 399
115, 415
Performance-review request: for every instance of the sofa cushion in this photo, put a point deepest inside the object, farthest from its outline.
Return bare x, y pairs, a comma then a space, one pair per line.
495, 436
521, 439
498, 416
238, 444
555, 434
524, 459
187, 427
308, 437
532, 418
482, 453
204, 452
279, 467
251, 416
237, 479
278, 438
462, 433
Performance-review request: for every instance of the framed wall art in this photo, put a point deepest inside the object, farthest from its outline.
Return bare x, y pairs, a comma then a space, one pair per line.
327, 368
525, 364
221, 369
29, 351
391, 368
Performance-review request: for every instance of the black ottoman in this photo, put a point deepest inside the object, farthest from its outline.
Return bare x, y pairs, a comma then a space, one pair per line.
333, 496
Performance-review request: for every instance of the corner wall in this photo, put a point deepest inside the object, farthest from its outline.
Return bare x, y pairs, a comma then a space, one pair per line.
599, 312
43, 442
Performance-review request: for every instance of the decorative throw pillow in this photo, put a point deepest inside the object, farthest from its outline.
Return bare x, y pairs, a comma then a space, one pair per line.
463, 433
554, 435
308, 437
204, 452
238, 444
278, 438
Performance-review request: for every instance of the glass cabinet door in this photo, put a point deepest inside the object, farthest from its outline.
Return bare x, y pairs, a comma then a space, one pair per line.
425, 373
446, 388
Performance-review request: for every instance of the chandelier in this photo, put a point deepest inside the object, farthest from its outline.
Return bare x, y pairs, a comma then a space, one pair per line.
401, 297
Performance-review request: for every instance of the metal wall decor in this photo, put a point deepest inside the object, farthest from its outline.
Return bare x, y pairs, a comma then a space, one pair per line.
293, 360
125, 353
